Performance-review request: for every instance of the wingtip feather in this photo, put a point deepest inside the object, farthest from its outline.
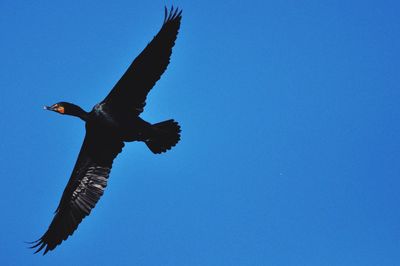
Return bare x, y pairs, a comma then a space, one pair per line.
172, 14
40, 248
36, 243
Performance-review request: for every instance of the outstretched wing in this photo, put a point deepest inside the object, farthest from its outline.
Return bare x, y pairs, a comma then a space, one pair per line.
84, 188
130, 92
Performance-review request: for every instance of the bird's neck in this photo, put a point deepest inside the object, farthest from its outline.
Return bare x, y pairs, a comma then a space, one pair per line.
75, 110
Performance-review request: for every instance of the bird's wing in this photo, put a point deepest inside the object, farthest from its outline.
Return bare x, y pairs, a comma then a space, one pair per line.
85, 187
130, 92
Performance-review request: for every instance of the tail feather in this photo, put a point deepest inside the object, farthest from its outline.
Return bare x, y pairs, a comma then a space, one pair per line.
165, 135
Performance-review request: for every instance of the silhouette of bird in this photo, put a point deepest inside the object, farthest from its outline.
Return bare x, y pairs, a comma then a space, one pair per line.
108, 125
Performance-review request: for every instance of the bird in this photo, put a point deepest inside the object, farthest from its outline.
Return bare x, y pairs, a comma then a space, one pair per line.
109, 125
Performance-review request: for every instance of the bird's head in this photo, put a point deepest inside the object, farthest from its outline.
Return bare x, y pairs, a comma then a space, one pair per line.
61, 107
65, 108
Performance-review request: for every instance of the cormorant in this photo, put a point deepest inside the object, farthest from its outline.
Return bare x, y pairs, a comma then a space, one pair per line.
108, 125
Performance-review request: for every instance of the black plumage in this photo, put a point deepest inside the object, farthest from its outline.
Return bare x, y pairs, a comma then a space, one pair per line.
109, 125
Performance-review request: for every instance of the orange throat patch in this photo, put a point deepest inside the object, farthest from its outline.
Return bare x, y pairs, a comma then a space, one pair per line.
60, 109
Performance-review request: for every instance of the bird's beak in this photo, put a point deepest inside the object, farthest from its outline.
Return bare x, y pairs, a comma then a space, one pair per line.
48, 108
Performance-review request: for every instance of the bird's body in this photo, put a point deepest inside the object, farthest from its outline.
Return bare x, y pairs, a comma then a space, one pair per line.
129, 128
109, 125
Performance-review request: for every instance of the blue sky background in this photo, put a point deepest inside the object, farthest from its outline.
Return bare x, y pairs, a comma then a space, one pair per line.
290, 145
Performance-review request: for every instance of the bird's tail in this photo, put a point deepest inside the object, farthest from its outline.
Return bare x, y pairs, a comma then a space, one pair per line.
165, 135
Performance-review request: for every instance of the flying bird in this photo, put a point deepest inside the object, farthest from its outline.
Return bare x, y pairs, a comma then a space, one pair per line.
110, 124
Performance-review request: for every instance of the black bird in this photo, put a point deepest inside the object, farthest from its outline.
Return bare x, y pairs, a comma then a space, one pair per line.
108, 125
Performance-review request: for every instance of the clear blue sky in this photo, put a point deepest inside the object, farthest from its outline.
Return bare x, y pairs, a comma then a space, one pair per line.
290, 144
